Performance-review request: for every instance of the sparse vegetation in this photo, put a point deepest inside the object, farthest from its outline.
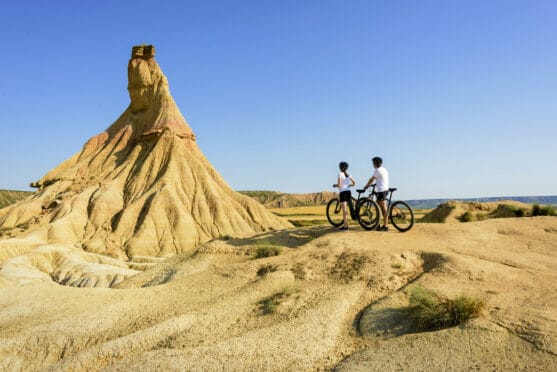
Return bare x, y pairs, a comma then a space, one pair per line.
543, 210
396, 265
266, 269
349, 267
225, 237
306, 223
468, 216
263, 251
507, 210
270, 304
430, 311
299, 271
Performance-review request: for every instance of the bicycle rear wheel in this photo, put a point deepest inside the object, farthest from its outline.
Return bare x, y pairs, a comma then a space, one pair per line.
334, 212
401, 216
368, 213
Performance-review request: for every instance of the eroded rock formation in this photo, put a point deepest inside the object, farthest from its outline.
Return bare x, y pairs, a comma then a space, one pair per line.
142, 187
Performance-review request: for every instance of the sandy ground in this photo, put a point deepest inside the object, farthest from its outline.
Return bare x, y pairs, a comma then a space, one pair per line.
339, 296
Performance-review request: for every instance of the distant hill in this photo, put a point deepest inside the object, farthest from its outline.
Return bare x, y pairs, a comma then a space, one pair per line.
432, 203
8, 197
275, 199
457, 211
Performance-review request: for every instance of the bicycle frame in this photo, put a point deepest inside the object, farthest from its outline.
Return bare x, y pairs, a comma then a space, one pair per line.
373, 195
351, 205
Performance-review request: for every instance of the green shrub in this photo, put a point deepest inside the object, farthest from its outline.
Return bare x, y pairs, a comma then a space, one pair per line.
265, 269
519, 212
430, 311
543, 210
467, 217
263, 251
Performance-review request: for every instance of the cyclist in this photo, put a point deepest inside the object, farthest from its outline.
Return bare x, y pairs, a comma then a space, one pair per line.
381, 178
344, 183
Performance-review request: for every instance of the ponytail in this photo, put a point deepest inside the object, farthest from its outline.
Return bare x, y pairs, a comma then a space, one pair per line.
343, 168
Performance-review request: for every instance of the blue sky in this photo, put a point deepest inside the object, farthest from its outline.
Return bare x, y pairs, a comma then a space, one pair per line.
458, 97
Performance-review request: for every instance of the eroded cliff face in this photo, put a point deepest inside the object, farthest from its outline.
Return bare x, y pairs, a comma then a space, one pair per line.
142, 187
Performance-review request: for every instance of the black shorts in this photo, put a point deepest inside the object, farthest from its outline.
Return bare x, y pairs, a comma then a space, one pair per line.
344, 196
382, 195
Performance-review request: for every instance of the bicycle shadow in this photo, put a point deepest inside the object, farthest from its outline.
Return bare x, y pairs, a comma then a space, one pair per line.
291, 238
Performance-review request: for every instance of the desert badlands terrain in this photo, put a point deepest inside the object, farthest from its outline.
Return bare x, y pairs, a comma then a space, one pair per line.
135, 254
343, 292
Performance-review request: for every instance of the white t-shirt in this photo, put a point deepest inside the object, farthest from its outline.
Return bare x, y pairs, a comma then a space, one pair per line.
381, 179
345, 182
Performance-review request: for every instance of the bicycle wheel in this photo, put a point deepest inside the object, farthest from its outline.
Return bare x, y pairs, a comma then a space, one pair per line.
334, 212
368, 213
401, 216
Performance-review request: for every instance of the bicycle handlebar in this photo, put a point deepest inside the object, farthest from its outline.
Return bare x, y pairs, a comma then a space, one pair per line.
364, 189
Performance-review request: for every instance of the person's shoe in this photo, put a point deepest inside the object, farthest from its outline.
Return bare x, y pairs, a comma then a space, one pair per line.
344, 228
384, 228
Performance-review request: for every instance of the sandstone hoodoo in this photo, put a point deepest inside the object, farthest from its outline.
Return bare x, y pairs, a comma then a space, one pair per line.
140, 188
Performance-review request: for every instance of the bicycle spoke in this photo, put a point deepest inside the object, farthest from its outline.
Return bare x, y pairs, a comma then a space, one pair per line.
334, 212
401, 216
368, 214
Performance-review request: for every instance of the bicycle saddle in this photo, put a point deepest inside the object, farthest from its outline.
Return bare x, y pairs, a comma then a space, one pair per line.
361, 190
392, 189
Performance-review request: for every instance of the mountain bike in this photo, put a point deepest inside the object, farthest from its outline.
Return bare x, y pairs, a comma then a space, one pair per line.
334, 210
400, 213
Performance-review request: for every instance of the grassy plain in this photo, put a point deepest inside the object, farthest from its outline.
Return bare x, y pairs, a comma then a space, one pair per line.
316, 215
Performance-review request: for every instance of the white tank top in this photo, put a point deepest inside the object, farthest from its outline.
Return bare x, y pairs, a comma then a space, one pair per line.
345, 182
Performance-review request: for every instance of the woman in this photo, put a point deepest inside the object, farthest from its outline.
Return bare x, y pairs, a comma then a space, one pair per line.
344, 183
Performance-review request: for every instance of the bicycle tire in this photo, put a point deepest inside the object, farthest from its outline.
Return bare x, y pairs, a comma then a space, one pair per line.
403, 216
368, 213
334, 212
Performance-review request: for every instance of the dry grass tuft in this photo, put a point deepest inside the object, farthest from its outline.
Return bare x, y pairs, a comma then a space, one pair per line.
348, 267
266, 269
264, 251
430, 311
270, 304
299, 271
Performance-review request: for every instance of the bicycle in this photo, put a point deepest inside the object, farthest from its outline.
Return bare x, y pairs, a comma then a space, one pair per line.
334, 210
400, 213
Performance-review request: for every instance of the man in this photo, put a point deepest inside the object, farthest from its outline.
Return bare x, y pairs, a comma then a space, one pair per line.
381, 178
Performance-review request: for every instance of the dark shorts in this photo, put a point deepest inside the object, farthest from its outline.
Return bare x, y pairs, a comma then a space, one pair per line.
344, 196
382, 195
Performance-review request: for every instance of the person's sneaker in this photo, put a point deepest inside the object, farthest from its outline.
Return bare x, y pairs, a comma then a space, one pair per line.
344, 228
384, 228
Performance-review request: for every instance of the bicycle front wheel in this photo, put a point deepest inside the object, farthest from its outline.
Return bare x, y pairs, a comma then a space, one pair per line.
368, 214
334, 212
401, 216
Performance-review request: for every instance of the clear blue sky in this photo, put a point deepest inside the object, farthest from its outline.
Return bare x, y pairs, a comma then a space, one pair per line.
458, 97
